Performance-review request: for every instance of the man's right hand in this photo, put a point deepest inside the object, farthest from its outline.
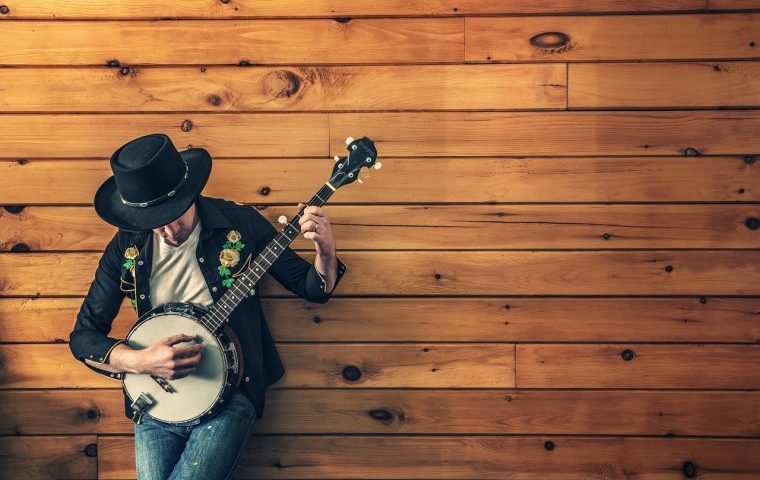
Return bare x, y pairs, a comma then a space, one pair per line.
164, 360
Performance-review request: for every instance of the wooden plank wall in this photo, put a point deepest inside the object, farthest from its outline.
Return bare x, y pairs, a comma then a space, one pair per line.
555, 275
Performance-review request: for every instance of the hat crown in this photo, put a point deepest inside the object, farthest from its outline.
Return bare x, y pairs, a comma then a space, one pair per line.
148, 170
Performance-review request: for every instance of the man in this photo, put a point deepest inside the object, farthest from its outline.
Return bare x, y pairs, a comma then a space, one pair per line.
174, 244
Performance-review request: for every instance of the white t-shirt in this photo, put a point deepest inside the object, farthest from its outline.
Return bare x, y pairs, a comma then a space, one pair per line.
175, 275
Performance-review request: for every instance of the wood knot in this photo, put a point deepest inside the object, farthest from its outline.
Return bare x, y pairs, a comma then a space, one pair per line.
668, 268
551, 41
342, 19
20, 248
22, 161
627, 354
549, 445
689, 469
91, 413
752, 223
91, 450
381, 415
265, 190
317, 319
351, 373
13, 208
187, 125
749, 159
692, 152
125, 71
214, 100
281, 84
244, 63
4, 9
702, 299
113, 63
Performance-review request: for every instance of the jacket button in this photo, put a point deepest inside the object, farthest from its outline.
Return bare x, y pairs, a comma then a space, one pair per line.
142, 296
112, 375
139, 262
247, 378
200, 259
213, 289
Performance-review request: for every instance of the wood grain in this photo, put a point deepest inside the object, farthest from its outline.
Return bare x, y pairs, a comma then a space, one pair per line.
323, 41
269, 181
617, 37
141, 9
653, 85
379, 227
471, 457
287, 88
548, 319
420, 411
655, 272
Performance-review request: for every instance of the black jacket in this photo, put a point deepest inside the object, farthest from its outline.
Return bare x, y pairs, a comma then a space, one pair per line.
114, 280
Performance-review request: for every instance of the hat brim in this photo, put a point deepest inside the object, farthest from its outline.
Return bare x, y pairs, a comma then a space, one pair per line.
109, 207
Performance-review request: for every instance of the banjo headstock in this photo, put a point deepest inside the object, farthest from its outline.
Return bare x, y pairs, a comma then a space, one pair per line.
361, 153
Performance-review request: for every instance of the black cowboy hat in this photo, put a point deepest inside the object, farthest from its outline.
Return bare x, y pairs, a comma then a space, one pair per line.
152, 184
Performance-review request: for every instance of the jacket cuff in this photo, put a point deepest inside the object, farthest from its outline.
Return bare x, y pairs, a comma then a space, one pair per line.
100, 355
319, 283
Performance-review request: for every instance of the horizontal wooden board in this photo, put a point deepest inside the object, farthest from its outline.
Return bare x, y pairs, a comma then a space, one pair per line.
305, 41
423, 411
50, 457
647, 85
48, 9
618, 37
487, 180
318, 365
259, 135
650, 366
235, 89
690, 319
442, 227
413, 134
457, 457
732, 4
655, 272
551, 133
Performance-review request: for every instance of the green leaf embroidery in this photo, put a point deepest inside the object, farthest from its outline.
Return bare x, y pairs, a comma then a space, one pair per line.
227, 282
133, 302
239, 246
227, 244
128, 264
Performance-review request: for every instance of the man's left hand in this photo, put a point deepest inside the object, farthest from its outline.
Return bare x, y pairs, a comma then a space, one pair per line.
315, 225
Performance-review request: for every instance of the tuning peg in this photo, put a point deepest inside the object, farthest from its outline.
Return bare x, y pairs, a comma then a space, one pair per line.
378, 166
336, 158
282, 219
349, 140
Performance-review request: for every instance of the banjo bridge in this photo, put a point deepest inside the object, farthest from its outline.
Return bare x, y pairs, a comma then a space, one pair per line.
164, 384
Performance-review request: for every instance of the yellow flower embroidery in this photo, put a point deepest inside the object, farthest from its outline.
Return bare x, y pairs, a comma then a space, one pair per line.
229, 257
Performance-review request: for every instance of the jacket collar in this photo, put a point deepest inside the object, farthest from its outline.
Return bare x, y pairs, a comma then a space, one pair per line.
211, 217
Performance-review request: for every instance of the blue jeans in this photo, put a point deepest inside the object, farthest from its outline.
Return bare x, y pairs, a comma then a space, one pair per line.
210, 449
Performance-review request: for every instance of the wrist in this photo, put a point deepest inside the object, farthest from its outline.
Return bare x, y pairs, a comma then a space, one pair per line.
126, 359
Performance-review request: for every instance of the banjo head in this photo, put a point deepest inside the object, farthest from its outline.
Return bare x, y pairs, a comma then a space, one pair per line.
187, 398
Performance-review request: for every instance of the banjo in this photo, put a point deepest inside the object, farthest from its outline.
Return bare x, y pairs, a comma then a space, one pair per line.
202, 393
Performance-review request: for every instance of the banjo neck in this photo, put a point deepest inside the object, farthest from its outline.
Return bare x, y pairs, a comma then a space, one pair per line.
218, 314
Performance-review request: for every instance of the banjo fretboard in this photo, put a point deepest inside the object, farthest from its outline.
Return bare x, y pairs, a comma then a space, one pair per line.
220, 311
